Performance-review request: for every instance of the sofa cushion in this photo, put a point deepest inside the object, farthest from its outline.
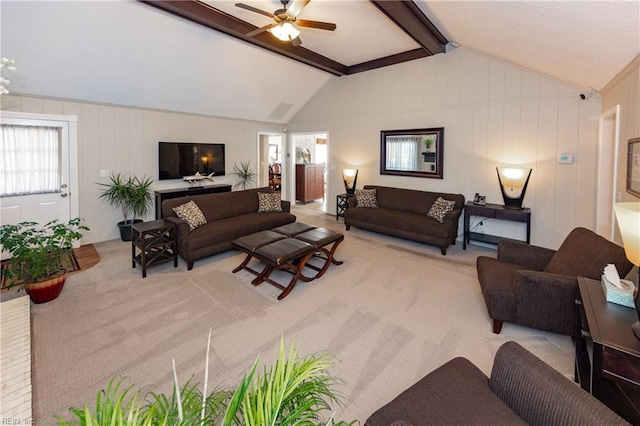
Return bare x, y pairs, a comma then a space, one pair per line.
190, 213
366, 198
269, 202
585, 253
440, 208
395, 219
457, 393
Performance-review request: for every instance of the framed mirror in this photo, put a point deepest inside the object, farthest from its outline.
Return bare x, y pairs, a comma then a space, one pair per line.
415, 152
633, 167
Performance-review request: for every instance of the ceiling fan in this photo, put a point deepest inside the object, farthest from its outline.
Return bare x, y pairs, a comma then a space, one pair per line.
286, 20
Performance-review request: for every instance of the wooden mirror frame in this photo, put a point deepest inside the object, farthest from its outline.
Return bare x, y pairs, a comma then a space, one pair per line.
435, 170
633, 167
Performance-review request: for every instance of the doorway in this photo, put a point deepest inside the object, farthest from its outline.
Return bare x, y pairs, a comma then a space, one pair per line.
606, 186
311, 151
56, 197
270, 160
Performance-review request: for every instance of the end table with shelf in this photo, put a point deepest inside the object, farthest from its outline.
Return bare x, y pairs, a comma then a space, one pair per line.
156, 242
342, 204
607, 353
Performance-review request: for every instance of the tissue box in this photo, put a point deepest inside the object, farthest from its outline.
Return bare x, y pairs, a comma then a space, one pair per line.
619, 296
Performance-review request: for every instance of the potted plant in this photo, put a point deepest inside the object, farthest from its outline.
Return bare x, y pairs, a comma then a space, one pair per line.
244, 174
133, 195
37, 254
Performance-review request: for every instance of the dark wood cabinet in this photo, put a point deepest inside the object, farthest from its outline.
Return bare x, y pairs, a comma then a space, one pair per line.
166, 194
309, 182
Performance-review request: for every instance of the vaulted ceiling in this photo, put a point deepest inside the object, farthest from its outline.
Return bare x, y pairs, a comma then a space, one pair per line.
128, 52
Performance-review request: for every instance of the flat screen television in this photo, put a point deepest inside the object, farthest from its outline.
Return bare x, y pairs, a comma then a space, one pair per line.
179, 159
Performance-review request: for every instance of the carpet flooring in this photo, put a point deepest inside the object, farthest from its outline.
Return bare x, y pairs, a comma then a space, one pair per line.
394, 311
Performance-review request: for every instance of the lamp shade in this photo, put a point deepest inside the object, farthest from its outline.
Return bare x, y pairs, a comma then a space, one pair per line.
350, 177
513, 184
628, 215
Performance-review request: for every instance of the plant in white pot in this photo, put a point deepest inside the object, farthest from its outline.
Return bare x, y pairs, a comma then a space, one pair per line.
131, 194
37, 254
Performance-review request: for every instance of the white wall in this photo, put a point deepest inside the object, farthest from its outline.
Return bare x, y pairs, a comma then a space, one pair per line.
123, 139
492, 112
624, 90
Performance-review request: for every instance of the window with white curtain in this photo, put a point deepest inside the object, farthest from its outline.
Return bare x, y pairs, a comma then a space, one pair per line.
403, 152
29, 160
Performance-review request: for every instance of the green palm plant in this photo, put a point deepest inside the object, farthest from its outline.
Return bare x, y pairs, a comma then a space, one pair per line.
129, 193
244, 174
294, 391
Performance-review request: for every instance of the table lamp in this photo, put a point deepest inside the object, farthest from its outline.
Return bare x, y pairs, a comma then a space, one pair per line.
350, 176
513, 184
628, 215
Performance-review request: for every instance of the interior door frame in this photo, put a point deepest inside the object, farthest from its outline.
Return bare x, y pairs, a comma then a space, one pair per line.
71, 122
283, 145
607, 171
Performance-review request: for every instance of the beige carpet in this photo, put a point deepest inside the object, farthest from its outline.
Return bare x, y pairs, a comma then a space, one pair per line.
391, 313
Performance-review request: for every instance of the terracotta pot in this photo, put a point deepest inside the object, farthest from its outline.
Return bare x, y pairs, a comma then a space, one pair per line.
46, 291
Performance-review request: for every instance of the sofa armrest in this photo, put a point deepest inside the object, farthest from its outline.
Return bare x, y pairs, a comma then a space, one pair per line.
182, 229
352, 202
542, 396
286, 206
545, 301
521, 253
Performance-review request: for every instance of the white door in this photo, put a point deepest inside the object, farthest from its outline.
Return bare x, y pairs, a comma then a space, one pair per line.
58, 204
606, 191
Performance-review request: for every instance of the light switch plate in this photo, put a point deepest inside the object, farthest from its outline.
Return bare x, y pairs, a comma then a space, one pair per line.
105, 173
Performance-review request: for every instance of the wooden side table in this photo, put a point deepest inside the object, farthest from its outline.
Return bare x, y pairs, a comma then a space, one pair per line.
156, 243
342, 204
493, 211
607, 351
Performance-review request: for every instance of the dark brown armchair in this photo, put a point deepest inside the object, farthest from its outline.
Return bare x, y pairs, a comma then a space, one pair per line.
537, 287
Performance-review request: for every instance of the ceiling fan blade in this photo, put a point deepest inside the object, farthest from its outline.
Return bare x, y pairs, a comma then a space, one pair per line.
260, 30
316, 24
297, 6
296, 42
254, 9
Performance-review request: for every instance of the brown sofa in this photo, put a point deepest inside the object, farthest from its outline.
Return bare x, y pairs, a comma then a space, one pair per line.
522, 390
229, 215
403, 213
537, 287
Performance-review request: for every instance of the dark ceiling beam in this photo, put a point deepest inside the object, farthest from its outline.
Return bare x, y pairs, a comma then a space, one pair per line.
398, 58
213, 18
408, 16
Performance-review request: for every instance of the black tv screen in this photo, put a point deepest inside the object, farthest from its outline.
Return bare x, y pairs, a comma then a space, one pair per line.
179, 159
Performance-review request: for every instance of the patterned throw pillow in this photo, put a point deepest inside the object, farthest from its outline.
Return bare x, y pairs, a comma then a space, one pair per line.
367, 198
191, 213
269, 202
440, 208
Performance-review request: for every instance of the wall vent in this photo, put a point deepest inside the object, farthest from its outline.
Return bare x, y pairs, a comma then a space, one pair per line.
281, 110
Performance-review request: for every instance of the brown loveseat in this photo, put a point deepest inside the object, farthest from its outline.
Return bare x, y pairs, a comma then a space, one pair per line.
537, 287
403, 213
229, 215
522, 390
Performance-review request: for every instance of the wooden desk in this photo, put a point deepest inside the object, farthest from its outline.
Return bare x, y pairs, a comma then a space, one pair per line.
613, 363
493, 211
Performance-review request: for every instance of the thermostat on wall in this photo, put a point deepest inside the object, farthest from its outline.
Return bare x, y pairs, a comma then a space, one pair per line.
565, 159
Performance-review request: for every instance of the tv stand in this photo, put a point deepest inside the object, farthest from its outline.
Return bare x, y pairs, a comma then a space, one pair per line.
165, 194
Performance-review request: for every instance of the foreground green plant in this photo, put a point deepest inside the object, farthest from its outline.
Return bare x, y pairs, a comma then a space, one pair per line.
294, 391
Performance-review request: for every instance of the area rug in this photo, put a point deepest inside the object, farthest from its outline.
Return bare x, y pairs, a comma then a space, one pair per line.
393, 312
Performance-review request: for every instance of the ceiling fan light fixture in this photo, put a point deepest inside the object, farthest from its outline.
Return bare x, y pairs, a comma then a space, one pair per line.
285, 31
